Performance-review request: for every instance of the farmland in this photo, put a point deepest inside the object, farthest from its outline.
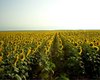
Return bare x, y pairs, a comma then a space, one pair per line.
50, 55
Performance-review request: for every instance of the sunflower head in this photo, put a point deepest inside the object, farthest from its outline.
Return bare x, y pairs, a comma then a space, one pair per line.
75, 44
8, 53
96, 48
61, 46
94, 41
80, 50
29, 51
91, 44
60, 41
97, 43
22, 56
16, 60
22, 50
86, 41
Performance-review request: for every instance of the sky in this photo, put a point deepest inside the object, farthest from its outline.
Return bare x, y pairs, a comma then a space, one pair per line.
49, 14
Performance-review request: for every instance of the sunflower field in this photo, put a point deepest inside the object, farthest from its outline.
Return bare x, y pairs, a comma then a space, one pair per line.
50, 55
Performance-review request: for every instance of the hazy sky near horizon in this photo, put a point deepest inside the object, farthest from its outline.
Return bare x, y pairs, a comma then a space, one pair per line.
49, 14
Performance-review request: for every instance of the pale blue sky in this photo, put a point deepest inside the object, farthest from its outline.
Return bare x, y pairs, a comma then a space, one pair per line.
49, 14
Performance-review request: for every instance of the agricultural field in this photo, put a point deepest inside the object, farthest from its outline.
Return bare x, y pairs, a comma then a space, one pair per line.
50, 55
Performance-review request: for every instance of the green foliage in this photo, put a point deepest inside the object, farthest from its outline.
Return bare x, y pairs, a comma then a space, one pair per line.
91, 60
52, 56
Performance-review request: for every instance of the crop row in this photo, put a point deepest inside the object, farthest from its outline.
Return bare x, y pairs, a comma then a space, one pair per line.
50, 55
